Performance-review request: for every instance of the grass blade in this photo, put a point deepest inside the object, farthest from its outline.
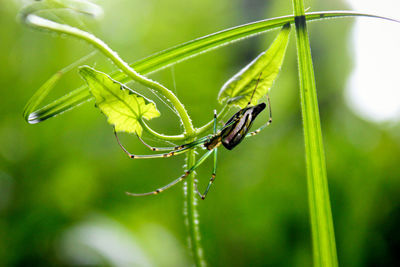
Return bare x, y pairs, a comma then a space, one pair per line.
324, 247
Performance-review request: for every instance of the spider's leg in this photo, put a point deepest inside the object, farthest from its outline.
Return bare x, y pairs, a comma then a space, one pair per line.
265, 125
198, 141
181, 178
203, 196
164, 155
213, 175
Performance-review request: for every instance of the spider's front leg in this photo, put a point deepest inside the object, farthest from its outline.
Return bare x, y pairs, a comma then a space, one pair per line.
191, 144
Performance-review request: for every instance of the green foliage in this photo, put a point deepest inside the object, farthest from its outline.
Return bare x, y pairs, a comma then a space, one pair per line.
123, 107
174, 55
279, 224
261, 72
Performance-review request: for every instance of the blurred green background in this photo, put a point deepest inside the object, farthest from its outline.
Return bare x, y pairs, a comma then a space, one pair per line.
62, 182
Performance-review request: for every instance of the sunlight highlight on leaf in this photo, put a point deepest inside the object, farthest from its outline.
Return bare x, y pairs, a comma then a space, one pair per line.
239, 89
123, 107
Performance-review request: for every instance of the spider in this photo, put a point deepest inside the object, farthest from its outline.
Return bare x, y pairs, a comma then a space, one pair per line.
230, 135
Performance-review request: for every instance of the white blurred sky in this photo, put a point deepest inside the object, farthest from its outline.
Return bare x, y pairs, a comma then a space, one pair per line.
373, 89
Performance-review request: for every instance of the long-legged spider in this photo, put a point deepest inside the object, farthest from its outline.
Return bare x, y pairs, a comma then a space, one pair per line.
230, 135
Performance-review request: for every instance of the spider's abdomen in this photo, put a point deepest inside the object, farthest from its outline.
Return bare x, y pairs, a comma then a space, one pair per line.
234, 134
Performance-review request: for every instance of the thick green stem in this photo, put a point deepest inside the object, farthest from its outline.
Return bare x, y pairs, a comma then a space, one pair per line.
191, 214
324, 247
162, 136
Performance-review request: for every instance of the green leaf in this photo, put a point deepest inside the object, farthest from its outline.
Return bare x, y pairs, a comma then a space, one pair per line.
123, 107
260, 73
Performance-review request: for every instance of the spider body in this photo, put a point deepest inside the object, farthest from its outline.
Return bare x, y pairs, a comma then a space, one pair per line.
234, 133
235, 129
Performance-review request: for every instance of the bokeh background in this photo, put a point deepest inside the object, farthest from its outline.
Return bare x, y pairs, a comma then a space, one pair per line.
62, 182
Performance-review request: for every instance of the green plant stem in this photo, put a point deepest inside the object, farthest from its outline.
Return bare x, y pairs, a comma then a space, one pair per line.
198, 131
162, 136
191, 213
324, 247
